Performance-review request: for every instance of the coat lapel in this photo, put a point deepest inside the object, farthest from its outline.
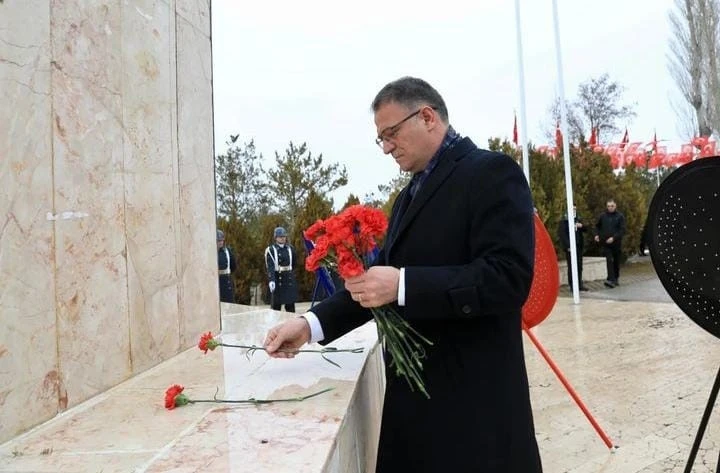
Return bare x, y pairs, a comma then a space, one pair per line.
433, 182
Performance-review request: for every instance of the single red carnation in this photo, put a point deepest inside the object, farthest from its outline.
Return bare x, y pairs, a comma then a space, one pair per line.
207, 342
373, 222
174, 397
349, 266
339, 229
312, 262
322, 246
314, 230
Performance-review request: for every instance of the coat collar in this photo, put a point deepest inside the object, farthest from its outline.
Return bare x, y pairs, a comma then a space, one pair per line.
444, 169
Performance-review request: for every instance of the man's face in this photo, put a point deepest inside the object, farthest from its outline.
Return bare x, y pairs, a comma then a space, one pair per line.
405, 140
611, 207
220, 243
281, 240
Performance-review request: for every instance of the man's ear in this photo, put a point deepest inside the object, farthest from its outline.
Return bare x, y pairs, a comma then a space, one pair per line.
430, 118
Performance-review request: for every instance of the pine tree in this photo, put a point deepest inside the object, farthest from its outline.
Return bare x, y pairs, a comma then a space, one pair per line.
240, 183
295, 175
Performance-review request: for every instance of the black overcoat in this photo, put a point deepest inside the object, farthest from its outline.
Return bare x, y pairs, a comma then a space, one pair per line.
467, 245
225, 281
286, 287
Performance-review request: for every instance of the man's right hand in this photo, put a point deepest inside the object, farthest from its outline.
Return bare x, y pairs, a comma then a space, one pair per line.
271, 285
597, 238
289, 335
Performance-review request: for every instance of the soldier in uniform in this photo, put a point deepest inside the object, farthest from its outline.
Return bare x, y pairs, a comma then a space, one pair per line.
226, 266
280, 258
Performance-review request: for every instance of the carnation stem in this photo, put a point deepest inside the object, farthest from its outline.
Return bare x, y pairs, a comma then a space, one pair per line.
260, 401
251, 349
406, 351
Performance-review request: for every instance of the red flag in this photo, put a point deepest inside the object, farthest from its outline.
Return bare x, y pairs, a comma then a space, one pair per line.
625, 139
593, 138
654, 143
708, 150
700, 141
515, 133
558, 137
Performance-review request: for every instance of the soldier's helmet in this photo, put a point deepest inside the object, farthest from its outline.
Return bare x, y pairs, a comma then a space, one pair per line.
220, 235
280, 232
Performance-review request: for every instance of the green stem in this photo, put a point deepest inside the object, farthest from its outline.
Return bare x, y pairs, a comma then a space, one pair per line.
406, 351
261, 401
323, 350
251, 349
404, 341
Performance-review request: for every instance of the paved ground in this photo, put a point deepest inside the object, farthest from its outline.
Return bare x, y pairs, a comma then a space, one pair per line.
638, 282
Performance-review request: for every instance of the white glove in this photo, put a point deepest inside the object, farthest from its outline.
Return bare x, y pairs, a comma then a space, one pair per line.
271, 285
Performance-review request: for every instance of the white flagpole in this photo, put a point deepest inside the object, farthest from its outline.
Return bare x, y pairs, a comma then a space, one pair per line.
521, 75
566, 158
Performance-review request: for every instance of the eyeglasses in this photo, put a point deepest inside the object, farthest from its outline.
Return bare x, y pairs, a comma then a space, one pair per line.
391, 132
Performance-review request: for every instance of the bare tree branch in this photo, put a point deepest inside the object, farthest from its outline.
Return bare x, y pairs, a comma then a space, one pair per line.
693, 62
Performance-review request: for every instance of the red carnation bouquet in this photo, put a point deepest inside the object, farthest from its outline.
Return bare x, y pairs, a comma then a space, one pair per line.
342, 244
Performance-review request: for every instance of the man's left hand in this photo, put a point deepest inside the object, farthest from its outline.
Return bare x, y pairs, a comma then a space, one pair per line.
376, 287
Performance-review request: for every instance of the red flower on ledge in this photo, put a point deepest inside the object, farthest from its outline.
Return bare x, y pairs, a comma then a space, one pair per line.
174, 397
207, 342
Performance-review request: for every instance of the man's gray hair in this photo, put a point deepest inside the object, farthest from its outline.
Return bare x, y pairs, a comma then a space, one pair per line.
411, 92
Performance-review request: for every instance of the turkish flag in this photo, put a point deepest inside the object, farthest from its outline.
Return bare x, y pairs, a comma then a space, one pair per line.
659, 157
708, 150
654, 143
700, 141
558, 137
625, 139
593, 138
687, 153
672, 160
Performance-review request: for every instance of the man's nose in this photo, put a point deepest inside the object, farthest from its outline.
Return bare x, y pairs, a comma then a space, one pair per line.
388, 147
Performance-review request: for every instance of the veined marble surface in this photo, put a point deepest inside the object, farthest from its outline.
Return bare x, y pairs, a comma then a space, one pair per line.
28, 342
108, 259
127, 429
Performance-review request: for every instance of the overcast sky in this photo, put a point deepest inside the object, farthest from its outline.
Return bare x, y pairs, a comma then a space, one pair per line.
308, 71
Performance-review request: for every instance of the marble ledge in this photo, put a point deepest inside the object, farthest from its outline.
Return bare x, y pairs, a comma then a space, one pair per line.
127, 428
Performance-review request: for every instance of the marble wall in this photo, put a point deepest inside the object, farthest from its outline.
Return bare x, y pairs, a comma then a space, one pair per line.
107, 202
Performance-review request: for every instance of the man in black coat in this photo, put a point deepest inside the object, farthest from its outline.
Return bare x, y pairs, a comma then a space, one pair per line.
564, 237
610, 228
457, 265
226, 266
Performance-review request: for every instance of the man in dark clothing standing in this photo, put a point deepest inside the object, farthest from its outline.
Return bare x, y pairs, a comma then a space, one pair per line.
280, 260
226, 266
564, 236
610, 229
466, 296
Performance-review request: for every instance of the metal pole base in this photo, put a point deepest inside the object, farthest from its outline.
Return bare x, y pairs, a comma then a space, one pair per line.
703, 425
